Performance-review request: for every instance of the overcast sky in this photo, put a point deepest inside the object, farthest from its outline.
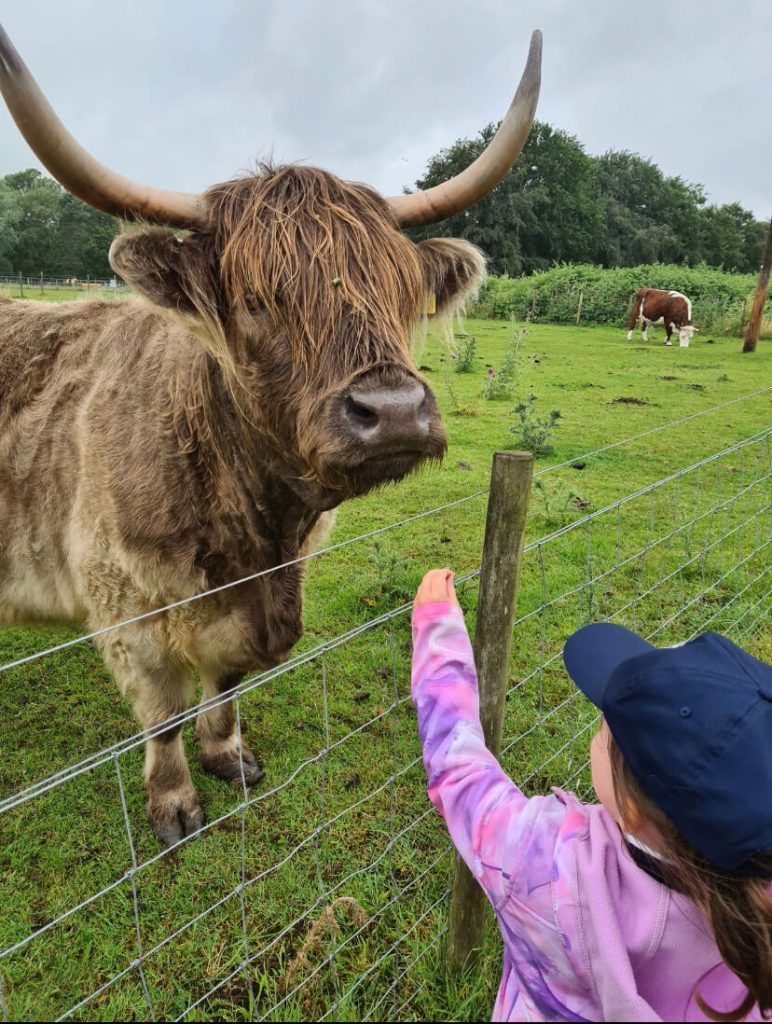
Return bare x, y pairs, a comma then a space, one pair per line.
185, 94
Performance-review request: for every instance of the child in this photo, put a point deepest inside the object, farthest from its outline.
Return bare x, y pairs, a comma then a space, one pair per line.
655, 904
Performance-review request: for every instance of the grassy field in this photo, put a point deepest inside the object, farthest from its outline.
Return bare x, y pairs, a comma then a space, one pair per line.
52, 294
354, 821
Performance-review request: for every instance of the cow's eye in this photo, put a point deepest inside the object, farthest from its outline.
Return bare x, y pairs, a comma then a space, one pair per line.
254, 304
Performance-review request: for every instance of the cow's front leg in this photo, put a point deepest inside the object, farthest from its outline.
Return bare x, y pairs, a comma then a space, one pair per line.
223, 752
158, 690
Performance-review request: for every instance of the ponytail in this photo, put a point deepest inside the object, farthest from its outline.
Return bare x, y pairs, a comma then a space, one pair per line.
738, 908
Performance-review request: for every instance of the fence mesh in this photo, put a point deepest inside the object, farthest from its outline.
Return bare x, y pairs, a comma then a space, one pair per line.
323, 892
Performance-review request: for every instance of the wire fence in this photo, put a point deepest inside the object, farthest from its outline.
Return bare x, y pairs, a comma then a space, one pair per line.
323, 893
37, 283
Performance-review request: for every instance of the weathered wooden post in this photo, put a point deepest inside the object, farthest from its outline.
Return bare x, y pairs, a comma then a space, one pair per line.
579, 307
21, 287
760, 295
499, 578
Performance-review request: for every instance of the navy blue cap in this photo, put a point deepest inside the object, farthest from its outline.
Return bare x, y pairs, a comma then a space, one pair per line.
694, 725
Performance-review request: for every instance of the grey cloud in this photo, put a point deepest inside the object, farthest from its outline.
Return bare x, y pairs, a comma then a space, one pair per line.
185, 94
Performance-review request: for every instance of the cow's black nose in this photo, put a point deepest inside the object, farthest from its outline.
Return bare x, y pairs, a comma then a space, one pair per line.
388, 419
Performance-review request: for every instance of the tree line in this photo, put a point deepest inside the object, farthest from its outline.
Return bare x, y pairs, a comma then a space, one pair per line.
557, 204
44, 229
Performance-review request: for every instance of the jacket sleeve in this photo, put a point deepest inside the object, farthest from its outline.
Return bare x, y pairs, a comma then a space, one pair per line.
506, 840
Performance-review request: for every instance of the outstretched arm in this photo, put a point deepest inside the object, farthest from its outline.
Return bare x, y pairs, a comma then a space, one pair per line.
487, 816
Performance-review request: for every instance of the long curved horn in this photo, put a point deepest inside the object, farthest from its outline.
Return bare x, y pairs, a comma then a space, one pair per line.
76, 169
463, 191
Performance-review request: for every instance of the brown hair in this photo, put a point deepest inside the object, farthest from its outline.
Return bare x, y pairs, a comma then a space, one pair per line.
311, 248
738, 908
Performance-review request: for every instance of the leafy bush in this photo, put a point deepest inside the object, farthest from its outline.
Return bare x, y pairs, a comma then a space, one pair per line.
553, 295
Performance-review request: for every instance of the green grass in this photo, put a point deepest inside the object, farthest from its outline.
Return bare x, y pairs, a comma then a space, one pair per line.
61, 848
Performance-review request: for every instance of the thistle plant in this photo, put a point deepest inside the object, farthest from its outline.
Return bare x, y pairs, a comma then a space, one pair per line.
466, 357
532, 431
501, 383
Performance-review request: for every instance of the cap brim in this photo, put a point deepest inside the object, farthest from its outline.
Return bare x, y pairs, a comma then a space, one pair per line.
593, 653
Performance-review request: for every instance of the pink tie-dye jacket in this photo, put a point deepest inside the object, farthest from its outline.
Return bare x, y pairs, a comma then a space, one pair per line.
588, 935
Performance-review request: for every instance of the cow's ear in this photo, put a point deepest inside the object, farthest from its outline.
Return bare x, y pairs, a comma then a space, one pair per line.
453, 271
170, 270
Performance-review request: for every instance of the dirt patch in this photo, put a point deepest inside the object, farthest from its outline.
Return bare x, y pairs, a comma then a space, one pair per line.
630, 400
669, 376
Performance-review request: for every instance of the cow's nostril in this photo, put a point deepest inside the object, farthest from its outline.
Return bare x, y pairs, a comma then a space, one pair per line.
361, 414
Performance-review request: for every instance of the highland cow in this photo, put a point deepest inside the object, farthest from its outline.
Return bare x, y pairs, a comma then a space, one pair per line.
153, 449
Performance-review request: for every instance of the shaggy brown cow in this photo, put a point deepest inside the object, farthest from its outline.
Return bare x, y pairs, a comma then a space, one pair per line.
654, 306
151, 450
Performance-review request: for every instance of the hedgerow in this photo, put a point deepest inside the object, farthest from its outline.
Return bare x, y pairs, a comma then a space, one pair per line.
552, 296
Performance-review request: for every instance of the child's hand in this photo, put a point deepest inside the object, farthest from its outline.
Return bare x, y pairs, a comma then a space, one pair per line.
437, 585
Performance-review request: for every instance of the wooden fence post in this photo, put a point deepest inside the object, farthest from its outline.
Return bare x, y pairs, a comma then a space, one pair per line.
21, 287
579, 307
759, 296
499, 578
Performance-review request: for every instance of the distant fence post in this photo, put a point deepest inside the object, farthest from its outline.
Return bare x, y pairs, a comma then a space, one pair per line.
499, 578
579, 307
759, 296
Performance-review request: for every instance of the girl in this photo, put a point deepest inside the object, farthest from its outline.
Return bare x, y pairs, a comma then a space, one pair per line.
655, 904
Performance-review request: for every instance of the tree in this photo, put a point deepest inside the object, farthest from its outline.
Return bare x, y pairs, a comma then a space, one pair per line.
546, 208
731, 238
557, 204
37, 203
9, 215
648, 218
81, 240
45, 229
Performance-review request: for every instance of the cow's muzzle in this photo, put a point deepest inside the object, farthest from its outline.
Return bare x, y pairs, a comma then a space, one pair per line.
380, 427
387, 421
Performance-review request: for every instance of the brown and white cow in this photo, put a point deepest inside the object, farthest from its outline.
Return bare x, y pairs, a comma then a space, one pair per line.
151, 450
671, 309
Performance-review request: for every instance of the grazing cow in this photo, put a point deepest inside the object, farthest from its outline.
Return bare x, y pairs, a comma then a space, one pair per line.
151, 450
654, 306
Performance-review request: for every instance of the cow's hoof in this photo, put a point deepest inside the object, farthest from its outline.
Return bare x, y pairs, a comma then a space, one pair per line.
174, 816
227, 766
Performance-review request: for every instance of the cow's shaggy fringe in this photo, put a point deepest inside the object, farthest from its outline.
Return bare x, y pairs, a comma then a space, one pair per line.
323, 260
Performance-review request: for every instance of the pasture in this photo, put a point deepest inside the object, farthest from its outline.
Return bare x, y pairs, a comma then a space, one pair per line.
354, 822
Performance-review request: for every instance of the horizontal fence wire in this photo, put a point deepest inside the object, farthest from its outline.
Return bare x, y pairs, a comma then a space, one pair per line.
379, 531
323, 893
